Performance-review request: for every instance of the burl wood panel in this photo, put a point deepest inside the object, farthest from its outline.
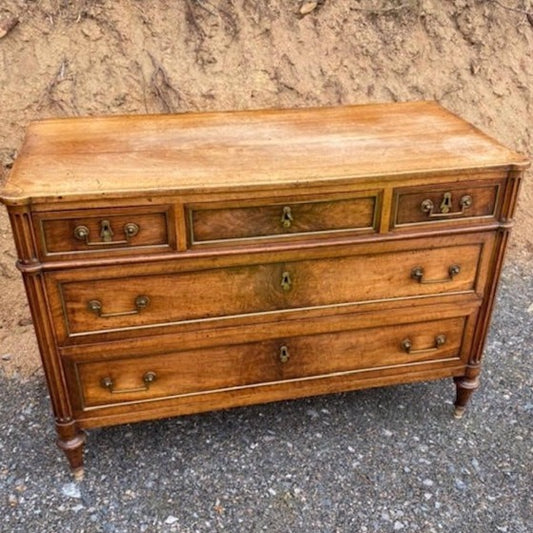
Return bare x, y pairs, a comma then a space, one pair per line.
264, 288
245, 365
408, 203
290, 217
58, 231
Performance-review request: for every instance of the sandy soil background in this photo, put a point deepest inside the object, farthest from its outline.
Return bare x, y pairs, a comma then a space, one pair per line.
82, 57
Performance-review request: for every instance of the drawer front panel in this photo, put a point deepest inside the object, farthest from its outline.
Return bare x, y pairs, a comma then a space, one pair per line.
445, 203
131, 302
212, 224
105, 230
280, 360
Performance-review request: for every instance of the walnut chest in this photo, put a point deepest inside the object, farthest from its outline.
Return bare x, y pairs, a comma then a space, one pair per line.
184, 263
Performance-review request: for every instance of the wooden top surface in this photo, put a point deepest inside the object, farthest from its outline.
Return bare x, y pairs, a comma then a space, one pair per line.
74, 157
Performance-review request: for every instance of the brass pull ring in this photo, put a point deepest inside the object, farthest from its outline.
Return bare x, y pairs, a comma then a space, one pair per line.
95, 306
284, 354
286, 217
286, 282
148, 379
427, 206
418, 274
407, 345
106, 233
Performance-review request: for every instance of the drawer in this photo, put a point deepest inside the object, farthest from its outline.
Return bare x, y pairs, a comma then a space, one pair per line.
212, 222
258, 364
108, 231
121, 299
445, 203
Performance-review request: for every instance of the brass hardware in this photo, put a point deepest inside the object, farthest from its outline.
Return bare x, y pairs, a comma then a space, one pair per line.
446, 203
427, 206
106, 234
141, 302
284, 354
418, 274
148, 379
286, 282
286, 217
407, 345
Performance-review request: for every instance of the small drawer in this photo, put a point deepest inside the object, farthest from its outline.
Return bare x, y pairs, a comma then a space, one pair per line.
258, 364
116, 230
210, 223
447, 203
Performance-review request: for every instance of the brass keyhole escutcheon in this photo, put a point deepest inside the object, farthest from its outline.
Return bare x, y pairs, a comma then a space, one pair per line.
106, 233
446, 203
284, 354
286, 282
286, 217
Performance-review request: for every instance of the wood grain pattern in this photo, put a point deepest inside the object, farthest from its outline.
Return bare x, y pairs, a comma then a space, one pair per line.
57, 231
237, 291
409, 201
245, 365
88, 157
228, 284
259, 220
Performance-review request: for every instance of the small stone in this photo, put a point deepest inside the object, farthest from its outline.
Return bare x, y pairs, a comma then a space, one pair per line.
307, 7
271, 491
530, 309
428, 495
12, 499
460, 484
388, 433
91, 30
7, 25
171, 520
398, 525
312, 413
25, 322
77, 508
71, 490
427, 483
6, 357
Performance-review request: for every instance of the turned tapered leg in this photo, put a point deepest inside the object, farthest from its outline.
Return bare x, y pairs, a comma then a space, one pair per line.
71, 441
465, 387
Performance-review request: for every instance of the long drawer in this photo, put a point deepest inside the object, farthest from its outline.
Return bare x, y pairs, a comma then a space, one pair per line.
114, 300
105, 381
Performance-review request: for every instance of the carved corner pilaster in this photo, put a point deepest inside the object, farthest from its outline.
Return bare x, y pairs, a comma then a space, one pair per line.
512, 188
23, 234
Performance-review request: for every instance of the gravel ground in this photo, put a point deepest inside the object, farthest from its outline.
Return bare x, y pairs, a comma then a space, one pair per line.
389, 459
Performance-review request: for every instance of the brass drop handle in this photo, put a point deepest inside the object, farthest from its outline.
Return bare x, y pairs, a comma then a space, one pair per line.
286, 217
418, 274
284, 354
286, 282
407, 345
141, 302
106, 234
427, 206
148, 379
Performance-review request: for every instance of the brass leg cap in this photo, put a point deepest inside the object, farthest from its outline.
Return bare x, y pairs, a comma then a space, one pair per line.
78, 474
458, 411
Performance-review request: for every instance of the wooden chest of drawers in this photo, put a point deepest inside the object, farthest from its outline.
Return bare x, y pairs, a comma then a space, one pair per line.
178, 264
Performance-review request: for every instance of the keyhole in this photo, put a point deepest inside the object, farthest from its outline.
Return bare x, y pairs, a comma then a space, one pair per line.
286, 281
446, 203
286, 217
284, 354
106, 233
